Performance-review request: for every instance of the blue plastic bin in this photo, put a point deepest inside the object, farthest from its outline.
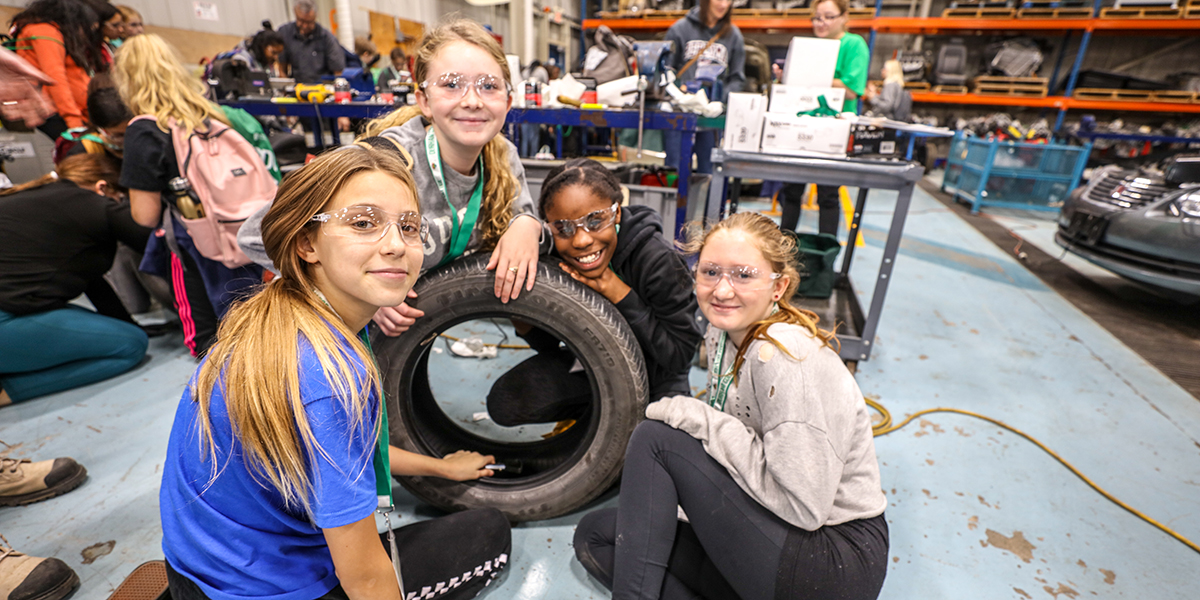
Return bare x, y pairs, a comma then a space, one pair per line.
993, 173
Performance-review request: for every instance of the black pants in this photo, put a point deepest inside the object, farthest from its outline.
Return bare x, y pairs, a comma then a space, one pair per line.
540, 390
733, 547
196, 313
791, 197
460, 553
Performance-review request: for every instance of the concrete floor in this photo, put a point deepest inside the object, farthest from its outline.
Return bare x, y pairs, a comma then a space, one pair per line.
974, 510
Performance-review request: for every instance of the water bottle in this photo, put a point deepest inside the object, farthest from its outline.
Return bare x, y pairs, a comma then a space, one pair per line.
341, 90
186, 199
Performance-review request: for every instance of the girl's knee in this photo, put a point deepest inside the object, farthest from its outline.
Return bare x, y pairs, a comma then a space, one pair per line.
130, 345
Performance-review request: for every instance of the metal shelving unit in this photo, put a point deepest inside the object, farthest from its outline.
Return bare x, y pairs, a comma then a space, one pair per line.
947, 25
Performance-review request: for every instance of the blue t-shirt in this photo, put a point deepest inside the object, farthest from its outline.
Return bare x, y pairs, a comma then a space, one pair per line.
235, 538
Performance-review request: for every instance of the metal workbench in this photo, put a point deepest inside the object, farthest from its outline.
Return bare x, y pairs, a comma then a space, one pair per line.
857, 331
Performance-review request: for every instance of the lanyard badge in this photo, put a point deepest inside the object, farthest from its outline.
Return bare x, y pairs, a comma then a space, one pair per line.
718, 387
383, 473
460, 233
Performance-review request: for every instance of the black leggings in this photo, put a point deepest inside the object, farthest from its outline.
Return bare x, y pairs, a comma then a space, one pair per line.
540, 390
791, 197
460, 553
733, 547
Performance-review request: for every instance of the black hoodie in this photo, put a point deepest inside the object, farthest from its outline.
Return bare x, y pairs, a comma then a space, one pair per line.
661, 304
660, 307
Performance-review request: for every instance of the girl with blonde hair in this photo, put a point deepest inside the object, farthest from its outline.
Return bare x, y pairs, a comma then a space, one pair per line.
893, 101
775, 468
153, 82
461, 163
278, 456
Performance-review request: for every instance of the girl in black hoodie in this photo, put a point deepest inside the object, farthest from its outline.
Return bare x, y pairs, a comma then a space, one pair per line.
620, 253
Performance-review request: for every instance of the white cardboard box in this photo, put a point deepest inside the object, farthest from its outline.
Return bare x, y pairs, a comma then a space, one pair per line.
811, 61
805, 136
743, 121
791, 99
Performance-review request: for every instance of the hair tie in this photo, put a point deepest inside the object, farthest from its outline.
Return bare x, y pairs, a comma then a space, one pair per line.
54, 175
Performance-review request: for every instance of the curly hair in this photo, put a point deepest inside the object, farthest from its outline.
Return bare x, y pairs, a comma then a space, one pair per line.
501, 187
579, 171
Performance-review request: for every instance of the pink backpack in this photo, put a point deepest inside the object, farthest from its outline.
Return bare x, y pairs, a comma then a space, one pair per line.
228, 176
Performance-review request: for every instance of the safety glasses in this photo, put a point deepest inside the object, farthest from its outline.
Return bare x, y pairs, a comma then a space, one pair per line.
369, 224
591, 222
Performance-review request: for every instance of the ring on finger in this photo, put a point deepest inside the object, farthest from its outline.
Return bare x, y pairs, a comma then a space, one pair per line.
513, 270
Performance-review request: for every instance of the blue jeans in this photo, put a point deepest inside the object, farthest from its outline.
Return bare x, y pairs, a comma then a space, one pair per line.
703, 147
531, 134
57, 350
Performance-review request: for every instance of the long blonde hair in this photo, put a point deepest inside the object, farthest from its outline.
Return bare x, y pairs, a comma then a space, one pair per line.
153, 81
501, 187
255, 359
895, 72
780, 251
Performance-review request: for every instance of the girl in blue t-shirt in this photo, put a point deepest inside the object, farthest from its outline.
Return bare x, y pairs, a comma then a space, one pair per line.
278, 457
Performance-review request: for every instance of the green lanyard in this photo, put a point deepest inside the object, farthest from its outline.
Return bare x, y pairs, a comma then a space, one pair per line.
717, 394
460, 234
383, 471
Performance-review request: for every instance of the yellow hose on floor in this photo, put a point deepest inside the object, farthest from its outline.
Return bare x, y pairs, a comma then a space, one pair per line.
885, 427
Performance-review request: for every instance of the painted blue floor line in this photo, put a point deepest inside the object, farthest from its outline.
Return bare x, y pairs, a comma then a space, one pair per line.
974, 511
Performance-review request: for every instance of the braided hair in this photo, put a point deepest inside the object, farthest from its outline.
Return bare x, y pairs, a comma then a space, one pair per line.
579, 171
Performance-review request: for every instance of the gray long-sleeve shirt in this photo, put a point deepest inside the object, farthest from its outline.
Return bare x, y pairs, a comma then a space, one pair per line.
795, 434
311, 56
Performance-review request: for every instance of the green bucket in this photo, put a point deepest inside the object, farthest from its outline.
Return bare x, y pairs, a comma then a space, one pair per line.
816, 253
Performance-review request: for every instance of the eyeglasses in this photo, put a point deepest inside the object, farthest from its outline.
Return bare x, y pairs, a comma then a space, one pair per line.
369, 224
453, 86
591, 222
826, 18
742, 278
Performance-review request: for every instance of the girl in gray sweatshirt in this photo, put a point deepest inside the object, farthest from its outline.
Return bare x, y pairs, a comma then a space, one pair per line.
774, 471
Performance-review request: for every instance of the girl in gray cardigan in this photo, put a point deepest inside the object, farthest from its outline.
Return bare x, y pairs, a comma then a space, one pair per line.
774, 472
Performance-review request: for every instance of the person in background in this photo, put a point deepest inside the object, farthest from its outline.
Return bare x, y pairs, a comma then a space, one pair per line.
261, 52
893, 101
153, 81
58, 37
109, 117
112, 26
309, 51
396, 71
708, 44
58, 236
830, 21
365, 52
134, 25
775, 469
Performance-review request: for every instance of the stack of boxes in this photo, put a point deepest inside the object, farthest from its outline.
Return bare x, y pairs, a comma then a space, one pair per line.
754, 125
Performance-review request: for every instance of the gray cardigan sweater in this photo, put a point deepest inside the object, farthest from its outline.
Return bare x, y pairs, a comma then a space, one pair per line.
795, 434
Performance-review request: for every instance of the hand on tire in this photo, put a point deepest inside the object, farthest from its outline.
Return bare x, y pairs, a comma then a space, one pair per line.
465, 465
393, 321
515, 258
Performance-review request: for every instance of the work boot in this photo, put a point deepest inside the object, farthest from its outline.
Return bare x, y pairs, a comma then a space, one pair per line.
24, 577
24, 482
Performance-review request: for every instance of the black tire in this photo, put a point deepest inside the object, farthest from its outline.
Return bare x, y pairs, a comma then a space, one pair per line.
559, 474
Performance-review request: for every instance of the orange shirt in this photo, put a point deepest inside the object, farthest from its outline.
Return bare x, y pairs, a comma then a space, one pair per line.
42, 45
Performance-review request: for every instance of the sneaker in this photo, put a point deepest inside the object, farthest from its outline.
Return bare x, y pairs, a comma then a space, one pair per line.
24, 482
24, 577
